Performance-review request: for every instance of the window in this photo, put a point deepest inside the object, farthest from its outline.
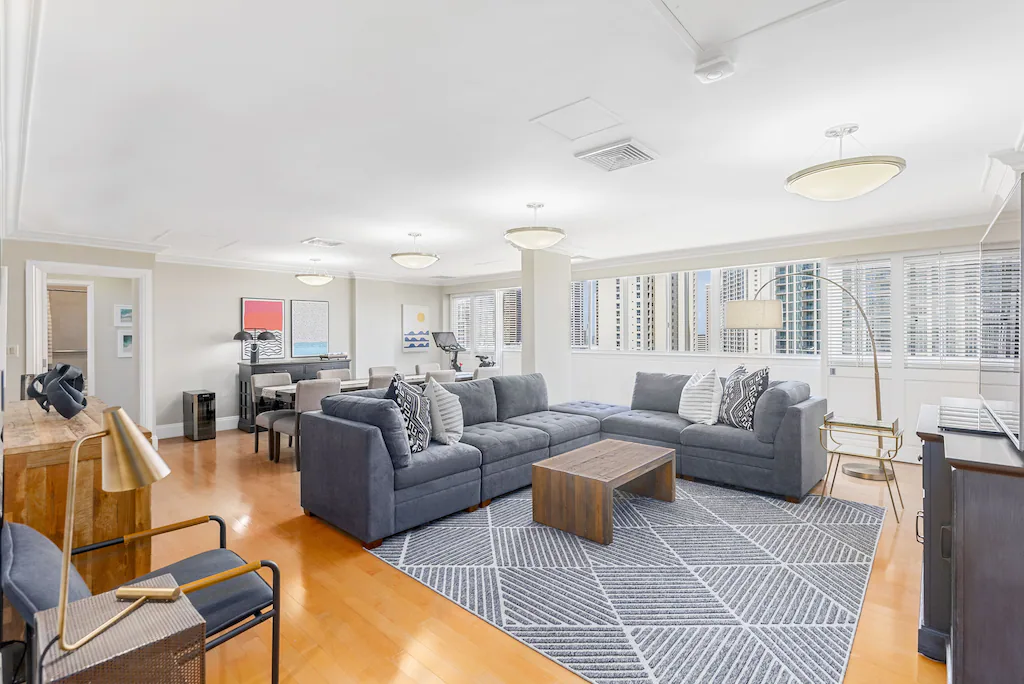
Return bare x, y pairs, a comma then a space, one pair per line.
511, 317
962, 306
801, 308
473, 320
848, 340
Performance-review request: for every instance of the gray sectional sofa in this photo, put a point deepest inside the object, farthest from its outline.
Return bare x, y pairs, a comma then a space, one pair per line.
359, 474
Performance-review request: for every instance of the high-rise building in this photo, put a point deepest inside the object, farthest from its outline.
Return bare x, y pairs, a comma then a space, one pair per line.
577, 317
801, 311
512, 316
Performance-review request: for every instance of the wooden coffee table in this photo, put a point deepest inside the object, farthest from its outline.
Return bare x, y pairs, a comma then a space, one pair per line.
573, 491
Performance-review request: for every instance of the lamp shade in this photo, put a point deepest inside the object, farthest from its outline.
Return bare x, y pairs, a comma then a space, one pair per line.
266, 335
535, 237
845, 179
243, 335
414, 259
754, 314
314, 279
128, 458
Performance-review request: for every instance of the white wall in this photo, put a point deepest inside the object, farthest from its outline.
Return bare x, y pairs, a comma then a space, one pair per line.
378, 325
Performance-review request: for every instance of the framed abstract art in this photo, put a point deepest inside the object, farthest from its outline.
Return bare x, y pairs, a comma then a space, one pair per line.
310, 331
264, 314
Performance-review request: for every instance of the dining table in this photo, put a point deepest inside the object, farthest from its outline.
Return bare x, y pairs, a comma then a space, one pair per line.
286, 393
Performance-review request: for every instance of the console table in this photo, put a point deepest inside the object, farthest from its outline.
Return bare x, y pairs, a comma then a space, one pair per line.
300, 369
973, 516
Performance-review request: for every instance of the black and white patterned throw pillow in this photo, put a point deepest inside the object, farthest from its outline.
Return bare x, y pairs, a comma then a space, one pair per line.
415, 410
392, 391
742, 390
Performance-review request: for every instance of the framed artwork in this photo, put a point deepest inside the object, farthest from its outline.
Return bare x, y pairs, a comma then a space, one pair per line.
310, 327
125, 344
264, 314
124, 315
415, 328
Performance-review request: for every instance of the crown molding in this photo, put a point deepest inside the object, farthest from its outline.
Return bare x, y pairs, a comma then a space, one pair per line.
84, 241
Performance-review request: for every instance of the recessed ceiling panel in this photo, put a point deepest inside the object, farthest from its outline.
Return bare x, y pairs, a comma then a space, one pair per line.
579, 119
714, 23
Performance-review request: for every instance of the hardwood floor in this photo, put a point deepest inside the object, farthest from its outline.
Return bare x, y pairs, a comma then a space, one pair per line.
349, 617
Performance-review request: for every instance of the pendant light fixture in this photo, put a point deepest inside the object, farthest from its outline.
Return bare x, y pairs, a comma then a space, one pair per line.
414, 259
534, 236
315, 277
844, 179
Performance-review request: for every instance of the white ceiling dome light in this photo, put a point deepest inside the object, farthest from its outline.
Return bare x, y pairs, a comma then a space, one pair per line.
414, 259
534, 237
315, 277
844, 179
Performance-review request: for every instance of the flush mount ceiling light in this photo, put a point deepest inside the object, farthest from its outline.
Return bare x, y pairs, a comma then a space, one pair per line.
414, 259
535, 237
844, 179
315, 277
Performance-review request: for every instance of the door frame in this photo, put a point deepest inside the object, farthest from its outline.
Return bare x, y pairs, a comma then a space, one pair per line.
90, 327
35, 320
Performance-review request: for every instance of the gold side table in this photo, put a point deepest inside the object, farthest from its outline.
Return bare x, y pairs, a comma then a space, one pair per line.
159, 642
889, 437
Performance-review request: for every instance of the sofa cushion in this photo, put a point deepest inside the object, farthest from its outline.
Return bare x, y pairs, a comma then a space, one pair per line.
518, 395
445, 413
415, 408
561, 427
382, 413
740, 395
701, 398
497, 441
725, 438
663, 426
772, 406
657, 392
477, 398
594, 409
369, 393
437, 461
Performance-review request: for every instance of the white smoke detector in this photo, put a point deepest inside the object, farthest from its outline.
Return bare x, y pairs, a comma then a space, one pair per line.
714, 68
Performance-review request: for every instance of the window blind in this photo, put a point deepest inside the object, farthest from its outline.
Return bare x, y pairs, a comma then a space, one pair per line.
848, 341
473, 320
1000, 310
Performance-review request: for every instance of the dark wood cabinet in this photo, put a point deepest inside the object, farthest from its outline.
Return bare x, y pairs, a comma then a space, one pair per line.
299, 369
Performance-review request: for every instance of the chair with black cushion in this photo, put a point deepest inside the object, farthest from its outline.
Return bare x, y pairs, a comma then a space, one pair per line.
265, 419
228, 592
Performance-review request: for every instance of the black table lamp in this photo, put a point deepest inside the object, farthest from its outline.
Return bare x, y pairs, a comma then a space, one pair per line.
254, 342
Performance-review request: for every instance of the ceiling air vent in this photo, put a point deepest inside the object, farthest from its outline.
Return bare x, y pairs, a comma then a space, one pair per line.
618, 155
322, 242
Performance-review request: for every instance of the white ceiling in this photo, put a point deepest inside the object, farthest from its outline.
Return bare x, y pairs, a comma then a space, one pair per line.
231, 130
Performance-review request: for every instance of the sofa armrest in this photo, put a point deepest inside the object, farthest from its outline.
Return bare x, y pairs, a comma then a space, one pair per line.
347, 477
799, 457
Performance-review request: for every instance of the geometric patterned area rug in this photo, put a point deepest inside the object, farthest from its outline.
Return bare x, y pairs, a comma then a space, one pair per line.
722, 585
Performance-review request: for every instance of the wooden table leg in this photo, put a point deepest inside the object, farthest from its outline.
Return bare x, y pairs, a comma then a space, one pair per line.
573, 504
656, 484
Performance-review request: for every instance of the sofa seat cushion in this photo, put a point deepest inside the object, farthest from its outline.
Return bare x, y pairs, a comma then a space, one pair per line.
518, 395
561, 427
594, 409
498, 441
722, 437
658, 425
437, 461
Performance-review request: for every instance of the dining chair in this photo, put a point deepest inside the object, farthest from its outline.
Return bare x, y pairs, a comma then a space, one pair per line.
228, 592
379, 381
308, 394
383, 370
440, 376
422, 368
337, 373
486, 372
265, 420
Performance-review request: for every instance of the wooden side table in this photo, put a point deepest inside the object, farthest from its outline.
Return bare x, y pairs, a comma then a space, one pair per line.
159, 642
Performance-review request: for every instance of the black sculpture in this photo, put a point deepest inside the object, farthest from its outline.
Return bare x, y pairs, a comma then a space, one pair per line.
62, 388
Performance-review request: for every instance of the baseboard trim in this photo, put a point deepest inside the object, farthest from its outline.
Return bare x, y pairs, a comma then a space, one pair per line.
178, 429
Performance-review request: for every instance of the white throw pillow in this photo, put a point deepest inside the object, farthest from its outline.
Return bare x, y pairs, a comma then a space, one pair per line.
445, 413
701, 398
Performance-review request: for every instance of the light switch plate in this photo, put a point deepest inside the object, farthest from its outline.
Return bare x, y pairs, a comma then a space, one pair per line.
12, 350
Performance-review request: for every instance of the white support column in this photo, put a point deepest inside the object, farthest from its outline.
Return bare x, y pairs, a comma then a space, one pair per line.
546, 280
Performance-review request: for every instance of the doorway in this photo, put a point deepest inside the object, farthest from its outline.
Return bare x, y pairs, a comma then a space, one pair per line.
70, 330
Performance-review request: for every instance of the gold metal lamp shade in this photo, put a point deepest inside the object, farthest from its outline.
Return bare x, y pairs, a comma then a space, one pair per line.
129, 462
129, 459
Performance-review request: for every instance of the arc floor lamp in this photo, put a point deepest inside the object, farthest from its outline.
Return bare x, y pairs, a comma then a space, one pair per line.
766, 314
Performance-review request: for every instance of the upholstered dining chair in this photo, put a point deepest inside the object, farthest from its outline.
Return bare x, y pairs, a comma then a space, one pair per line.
228, 592
379, 381
383, 370
337, 373
486, 372
265, 420
308, 394
422, 368
441, 375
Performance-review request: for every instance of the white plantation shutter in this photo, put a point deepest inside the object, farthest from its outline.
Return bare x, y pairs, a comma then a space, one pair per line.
484, 329
848, 341
962, 307
462, 319
1000, 310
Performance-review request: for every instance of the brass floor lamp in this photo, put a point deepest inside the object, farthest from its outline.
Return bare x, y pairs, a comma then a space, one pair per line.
766, 314
129, 462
